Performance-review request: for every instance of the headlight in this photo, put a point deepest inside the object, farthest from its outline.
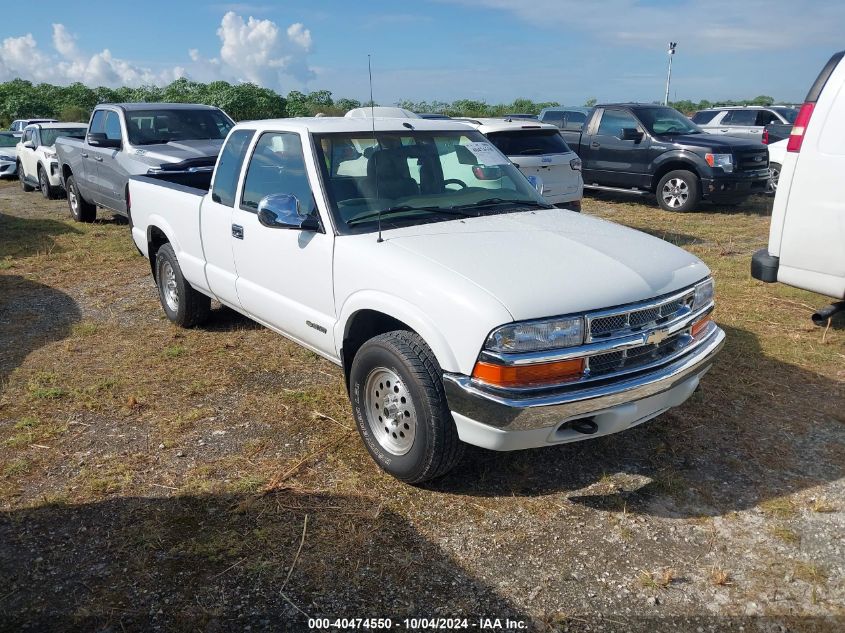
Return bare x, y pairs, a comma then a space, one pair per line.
725, 161
575, 164
534, 336
703, 294
5, 157
49, 155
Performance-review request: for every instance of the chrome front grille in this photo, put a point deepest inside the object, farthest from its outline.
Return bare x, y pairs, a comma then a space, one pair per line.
611, 324
628, 359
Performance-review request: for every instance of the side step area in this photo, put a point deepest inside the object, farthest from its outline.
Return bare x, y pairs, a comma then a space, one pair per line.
635, 192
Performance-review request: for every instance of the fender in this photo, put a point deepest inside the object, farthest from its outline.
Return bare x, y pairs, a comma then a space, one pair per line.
680, 156
402, 310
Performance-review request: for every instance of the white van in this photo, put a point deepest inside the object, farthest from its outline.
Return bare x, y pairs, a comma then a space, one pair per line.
807, 235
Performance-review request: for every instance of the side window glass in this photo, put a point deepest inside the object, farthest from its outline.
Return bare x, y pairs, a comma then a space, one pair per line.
113, 127
614, 121
764, 117
97, 123
277, 165
229, 167
27, 136
740, 117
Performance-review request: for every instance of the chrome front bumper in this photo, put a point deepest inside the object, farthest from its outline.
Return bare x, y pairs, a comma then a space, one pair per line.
551, 410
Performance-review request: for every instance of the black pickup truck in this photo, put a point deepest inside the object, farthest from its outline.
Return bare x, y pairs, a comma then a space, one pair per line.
654, 149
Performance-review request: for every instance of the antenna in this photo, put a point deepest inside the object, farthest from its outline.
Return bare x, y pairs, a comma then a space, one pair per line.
375, 141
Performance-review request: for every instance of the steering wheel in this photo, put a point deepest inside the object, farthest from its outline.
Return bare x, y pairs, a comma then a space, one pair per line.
672, 128
454, 181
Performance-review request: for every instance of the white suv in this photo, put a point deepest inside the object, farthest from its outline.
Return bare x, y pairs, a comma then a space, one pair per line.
538, 151
38, 167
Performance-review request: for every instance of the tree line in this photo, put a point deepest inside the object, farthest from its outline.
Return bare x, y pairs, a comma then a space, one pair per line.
20, 99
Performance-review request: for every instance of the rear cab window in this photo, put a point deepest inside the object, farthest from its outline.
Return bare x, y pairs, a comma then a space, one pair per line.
527, 142
229, 167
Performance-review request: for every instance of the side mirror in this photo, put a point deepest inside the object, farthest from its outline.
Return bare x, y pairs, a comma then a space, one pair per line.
281, 211
631, 134
99, 139
29, 145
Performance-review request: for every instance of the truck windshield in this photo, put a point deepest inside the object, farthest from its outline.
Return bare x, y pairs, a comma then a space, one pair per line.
529, 142
49, 135
418, 177
666, 121
152, 127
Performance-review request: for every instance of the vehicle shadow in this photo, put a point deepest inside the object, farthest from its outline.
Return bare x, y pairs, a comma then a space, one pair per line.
24, 237
224, 319
31, 315
756, 205
739, 441
225, 562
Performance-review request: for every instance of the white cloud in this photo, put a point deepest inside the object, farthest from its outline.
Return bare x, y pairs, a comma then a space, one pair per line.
250, 50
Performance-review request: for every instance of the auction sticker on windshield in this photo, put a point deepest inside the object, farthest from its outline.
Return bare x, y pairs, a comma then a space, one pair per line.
487, 154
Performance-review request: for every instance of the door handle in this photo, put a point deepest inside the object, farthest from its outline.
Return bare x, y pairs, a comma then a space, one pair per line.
99, 159
84, 155
723, 130
595, 144
238, 231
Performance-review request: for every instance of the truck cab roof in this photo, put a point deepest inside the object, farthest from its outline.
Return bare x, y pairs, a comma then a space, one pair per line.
154, 106
327, 125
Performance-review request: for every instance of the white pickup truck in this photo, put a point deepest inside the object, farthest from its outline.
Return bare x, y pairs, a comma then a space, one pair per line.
462, 307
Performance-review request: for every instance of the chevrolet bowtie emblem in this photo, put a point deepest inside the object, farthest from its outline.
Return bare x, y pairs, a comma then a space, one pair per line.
655, 337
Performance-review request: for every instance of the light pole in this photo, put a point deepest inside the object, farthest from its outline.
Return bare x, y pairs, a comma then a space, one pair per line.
671, 52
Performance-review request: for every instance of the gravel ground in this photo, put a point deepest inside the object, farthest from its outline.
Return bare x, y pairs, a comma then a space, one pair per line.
154, 479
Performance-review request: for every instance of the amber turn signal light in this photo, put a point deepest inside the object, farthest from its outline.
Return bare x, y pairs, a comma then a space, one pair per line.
528, 375
699, 326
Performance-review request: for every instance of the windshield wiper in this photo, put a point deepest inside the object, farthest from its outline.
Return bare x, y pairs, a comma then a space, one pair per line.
407, 207
489, 202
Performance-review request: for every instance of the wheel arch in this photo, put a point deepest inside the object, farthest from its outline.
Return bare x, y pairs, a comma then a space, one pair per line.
673, 161
369, 313
156, 238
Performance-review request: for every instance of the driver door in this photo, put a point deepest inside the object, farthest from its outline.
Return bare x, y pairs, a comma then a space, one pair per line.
284, 276
613, 160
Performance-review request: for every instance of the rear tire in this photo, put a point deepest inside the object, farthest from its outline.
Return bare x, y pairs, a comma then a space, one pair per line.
400, 408
80, 209
183, 305
47, 190
678, 191
772, 185
22, 178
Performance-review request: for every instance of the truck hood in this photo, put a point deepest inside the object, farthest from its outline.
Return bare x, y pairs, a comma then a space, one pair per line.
177, 151
715, 142
553, 262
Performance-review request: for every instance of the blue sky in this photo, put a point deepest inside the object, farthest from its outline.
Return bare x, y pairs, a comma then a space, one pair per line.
495, 50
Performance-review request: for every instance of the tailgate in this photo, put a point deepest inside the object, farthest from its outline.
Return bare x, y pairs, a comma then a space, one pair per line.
554, 170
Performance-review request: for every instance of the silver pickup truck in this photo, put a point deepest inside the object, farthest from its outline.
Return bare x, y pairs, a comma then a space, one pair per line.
176, 141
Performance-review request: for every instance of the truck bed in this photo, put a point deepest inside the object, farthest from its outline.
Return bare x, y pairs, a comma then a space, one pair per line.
175, 209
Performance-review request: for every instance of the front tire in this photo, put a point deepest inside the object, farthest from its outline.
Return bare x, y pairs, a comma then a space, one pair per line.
22, 178
80, 209
679, 191
183, 305
48, 191
400, 408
